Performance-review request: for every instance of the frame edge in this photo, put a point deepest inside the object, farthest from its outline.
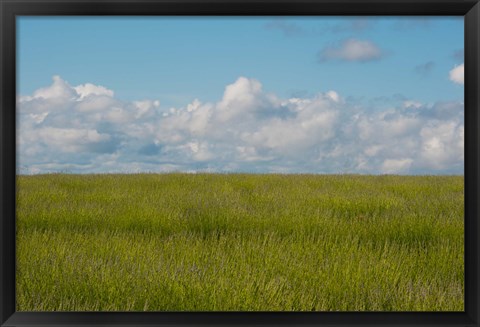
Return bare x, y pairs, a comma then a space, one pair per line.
7, 162
472, 161
8, 154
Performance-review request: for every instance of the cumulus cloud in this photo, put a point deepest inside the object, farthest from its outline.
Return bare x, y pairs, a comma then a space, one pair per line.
86, 129
412, 104
390, 166
457, 74
441, 144
351, 50
71, 139
59, 90
90, 89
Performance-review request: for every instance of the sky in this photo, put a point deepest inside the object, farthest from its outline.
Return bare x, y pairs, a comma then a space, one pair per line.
364, 95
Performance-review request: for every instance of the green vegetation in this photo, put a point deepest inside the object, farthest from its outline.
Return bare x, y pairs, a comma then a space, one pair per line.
204, 242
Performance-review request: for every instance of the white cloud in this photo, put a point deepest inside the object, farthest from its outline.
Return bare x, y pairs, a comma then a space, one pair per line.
457, 74
70, 139
412, 104
145, 107
116, 115
90, 89
245, 97
39, 118
59, 90
333, 95
94, 103
248, 129
352, 50
442, 144
373, 150
395, 166
200, 151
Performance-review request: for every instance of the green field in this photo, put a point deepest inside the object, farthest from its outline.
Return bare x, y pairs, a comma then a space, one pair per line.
243, 242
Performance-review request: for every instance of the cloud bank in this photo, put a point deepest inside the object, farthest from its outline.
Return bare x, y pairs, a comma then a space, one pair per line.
85, 128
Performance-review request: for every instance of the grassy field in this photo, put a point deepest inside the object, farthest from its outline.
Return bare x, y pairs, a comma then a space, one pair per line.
203, 242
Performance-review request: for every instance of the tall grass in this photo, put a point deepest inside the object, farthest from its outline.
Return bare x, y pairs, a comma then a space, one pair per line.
202, 242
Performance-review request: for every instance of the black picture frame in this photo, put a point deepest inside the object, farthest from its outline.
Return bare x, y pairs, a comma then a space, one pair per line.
9, 9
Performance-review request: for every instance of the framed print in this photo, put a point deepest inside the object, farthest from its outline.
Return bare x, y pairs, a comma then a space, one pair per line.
239, 163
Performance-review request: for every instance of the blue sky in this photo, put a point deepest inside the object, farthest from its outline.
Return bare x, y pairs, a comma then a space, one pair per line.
256, 94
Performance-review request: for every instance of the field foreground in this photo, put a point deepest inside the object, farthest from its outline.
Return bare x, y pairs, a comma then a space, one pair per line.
215, 242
